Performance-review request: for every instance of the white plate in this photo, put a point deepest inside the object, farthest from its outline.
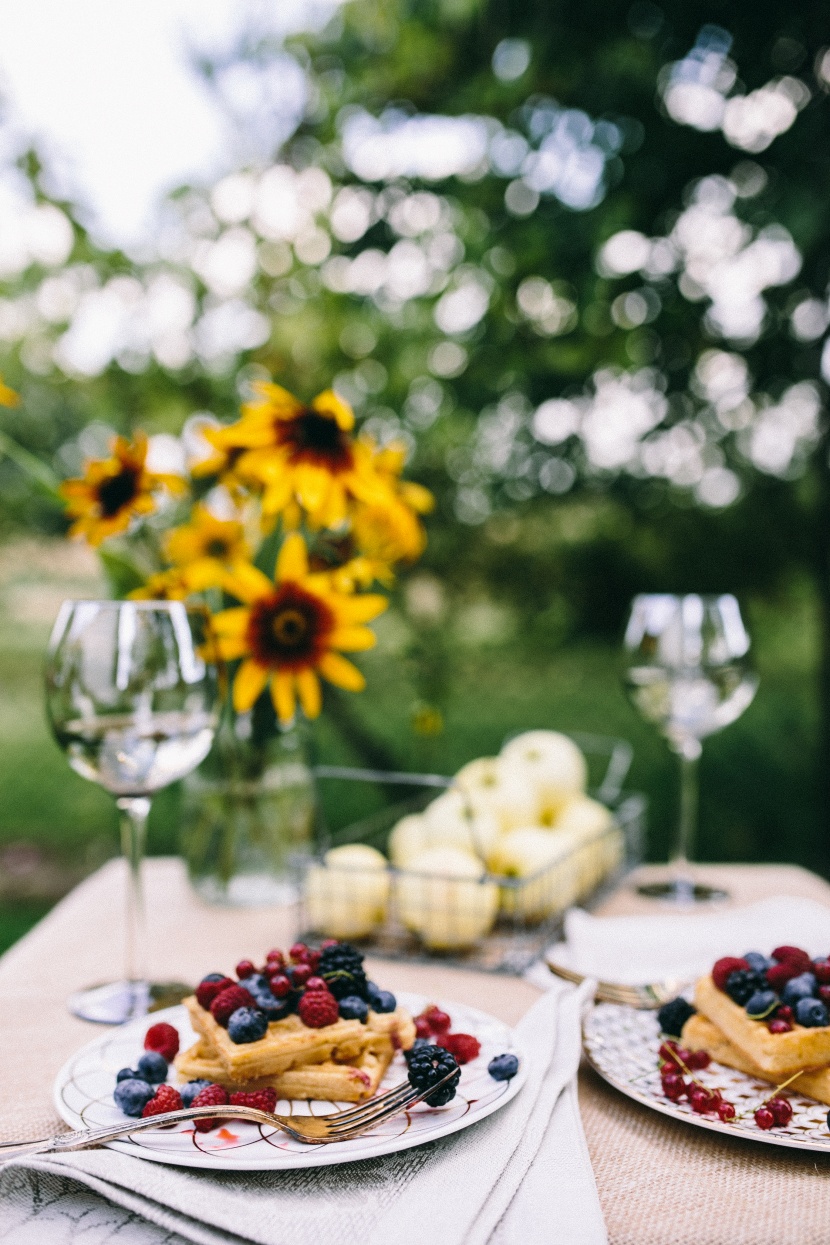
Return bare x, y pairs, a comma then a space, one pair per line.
622, 1045
83, 1097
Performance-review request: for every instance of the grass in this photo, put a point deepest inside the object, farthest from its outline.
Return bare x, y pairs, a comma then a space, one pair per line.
757, 778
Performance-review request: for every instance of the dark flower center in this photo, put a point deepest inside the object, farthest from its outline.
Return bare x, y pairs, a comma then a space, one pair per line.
289, 628
314, 438
118, 491
331, 550
217, 548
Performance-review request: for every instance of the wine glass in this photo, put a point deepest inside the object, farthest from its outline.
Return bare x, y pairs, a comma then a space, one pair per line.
133, 698
688, 675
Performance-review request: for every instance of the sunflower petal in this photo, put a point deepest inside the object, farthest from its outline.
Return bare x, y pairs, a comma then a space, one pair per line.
308, 685
231, 622
250, 681
362, 608
352, 639
341, 672
230, 647
312, 486
282, 694
292, 562
247, 583
329, 403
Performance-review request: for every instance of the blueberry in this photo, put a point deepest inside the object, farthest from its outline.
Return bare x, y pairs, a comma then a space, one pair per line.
380, 1000
190, 1090
212, 977
761, 1004
801, 987
757, 962
132, 1096
274, 1009
673, 1016
153, 1067
503, 1067
247, 1024
354, 1008
811, 1013
129, 1074
742, 984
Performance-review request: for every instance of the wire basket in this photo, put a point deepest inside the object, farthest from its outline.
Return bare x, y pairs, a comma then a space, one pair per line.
493, 922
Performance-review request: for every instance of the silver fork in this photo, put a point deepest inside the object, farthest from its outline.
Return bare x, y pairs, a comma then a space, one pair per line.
313, 1130
647, 997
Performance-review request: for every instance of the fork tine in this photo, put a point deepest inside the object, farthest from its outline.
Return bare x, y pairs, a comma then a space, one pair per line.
360, 1109
338, 1128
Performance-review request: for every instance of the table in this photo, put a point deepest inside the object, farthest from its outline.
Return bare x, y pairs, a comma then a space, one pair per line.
660, 1182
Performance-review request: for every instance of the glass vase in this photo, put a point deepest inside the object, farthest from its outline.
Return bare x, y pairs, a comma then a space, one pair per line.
248, 812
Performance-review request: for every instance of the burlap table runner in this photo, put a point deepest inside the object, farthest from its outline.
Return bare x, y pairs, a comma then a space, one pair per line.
659, 1181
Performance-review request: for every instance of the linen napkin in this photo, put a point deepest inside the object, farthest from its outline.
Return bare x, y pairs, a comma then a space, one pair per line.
520, 1177
683, 945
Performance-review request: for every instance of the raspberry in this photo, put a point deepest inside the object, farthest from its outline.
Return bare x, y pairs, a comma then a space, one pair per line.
726, 1111
208, 989
164, 1039
698, 1059
779, 1026
781, 1109
299, 953
793, 955
316, 983
211, 1096
244, 969
462, 1045
226, 1003
301, 974
780, 974
722, 969
422, 1029
764, 1118
318, 1008
280, 985
264, 1099
166, 1098
438, 1021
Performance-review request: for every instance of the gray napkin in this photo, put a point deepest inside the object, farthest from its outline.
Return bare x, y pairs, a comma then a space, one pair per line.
520, 1177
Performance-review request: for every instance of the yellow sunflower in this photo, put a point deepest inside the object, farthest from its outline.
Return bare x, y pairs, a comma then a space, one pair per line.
206, 547
172, 585
302, 456
8, 396
287, 632
114, 491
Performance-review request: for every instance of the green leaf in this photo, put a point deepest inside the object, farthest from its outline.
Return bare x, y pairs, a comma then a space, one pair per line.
122, 574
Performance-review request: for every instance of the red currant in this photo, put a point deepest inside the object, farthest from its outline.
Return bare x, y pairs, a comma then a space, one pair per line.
674, 1087
314, 960
824, 994
280, 985
764, 1118
699, 1099
782, 1111
301, 974
784, 1012
244, 969
315, 983
299, 953
275, 956
779, 1026
698, 1059
726, 1111
422, 1029
821, 968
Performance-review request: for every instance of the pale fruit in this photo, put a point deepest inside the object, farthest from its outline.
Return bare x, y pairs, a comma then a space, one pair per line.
445, 900
583, 816
544, 862
454, 820
347, 895
591, 824
410, 837
498, 789
551, 762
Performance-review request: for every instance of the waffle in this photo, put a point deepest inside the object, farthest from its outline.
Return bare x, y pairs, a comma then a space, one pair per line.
778, 1054
328, 1081
290, 1044
700, 1034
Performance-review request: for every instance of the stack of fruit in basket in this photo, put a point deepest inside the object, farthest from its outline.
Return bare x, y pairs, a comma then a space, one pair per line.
515, 834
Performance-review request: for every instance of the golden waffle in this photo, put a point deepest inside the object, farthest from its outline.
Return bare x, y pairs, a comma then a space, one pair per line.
289, 1043
776, 1053
700, 1034
329, 1081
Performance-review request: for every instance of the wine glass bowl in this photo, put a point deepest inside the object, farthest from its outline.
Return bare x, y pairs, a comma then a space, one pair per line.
132, 696
688, 674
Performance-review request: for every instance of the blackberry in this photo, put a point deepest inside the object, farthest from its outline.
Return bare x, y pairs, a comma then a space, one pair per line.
742, 984
341, 967
427, 1067
673, 1016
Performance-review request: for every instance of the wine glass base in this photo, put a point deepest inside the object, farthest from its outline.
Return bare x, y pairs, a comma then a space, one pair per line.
681, 891
116, 1002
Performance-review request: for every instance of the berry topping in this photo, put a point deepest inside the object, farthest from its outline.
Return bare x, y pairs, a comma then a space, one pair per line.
811, 1013
191, 1089
163, 1038
328, 942
782, 1111
280, 985
131, 1096
427, 1067
314, 960
153, 1067
801, 987
354, 1008
247, 1024
300, 975
757, 962
729, 964
742, 984
779, 1026
316, 983
696, 1060
761, 1004
211, 1096
462, 1045
380, 1000
226, 1003
128, 1074
675, 1056
792, 955
778, 976
318, 1008
276, 955
166, 1098
673, 1016
784, 1012
341, 966
674, 1087
422, 1029
210, 986
438, 1021
503, 1067
299, 952
244, 969
821, 970
764, 1118
263, 1099
703, 1101
726, 1111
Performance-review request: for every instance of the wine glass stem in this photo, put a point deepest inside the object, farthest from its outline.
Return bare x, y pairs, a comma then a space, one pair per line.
134, 812
689, 752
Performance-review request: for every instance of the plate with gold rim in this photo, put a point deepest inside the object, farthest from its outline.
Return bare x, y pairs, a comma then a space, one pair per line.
622, 1045
83, 1098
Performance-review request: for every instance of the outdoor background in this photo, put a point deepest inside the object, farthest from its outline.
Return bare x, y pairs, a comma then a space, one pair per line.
574, 254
